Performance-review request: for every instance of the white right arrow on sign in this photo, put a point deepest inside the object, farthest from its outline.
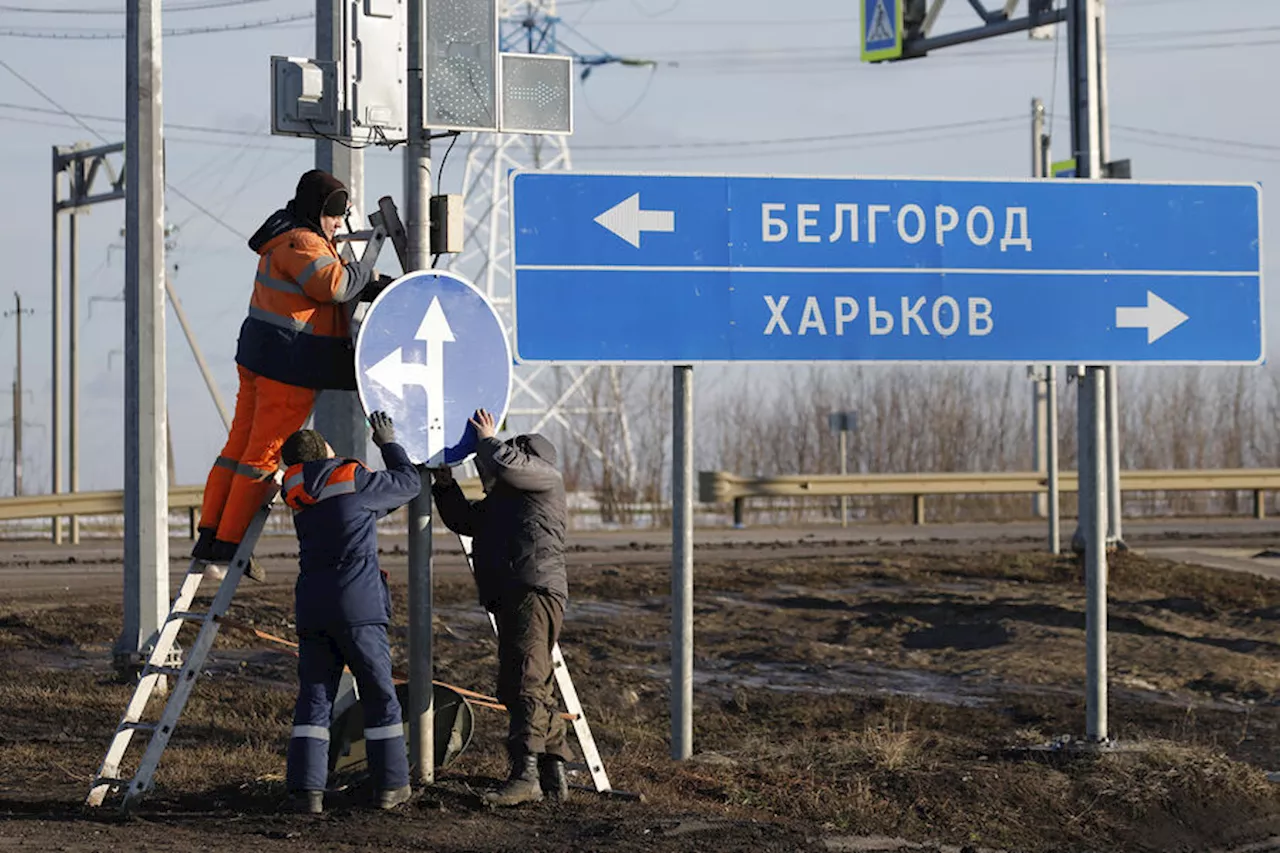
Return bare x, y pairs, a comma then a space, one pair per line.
628, 221
1158, 317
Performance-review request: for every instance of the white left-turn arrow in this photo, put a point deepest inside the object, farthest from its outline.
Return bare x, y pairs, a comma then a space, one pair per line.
628, 221
395, 374
1158, 317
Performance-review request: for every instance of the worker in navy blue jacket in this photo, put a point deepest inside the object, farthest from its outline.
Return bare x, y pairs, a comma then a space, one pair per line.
343, 607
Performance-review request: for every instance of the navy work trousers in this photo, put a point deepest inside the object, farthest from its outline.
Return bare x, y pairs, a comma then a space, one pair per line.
321, 655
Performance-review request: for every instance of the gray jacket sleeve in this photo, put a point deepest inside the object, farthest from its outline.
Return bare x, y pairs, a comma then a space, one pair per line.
517, 469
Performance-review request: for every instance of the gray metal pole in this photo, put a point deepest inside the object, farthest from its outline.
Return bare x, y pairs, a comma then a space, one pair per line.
1039, 386
1094, 387
417, 191
196, 353
844, 471
17, 399
682, 565
146, 485
1115, 508
73, 352
1086, 145
1055, 532
338, 414
55, 425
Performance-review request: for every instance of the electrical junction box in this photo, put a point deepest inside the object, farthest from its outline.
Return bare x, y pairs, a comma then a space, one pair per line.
363, 96
373, 75
304, 97
446, 213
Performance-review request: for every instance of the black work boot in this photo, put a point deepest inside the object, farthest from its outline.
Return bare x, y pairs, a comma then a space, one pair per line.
521, 786
551, 776
225, 552
203, 549
306, 802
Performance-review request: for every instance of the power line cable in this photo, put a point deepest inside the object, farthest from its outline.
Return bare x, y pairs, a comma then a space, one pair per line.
195, 128
81, 118
75, 35
848, 145
169, 8
179, 193
797, 140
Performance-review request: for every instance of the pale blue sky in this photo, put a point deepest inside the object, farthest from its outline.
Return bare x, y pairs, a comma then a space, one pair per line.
733, 77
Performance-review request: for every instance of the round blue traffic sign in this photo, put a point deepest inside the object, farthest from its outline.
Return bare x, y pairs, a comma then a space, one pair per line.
431, 350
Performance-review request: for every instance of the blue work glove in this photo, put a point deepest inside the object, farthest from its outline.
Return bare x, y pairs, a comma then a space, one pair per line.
383, 430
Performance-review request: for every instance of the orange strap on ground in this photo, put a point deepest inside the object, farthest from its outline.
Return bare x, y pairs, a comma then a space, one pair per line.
478, 699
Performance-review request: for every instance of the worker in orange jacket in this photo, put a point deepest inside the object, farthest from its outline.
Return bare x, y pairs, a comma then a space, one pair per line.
294, 343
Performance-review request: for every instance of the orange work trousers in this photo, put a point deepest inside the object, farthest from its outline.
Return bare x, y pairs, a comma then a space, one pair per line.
267, 413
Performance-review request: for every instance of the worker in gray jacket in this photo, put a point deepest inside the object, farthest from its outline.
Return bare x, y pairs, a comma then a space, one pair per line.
518, 532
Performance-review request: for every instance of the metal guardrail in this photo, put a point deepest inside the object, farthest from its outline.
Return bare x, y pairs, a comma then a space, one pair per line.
723, 487
73, 504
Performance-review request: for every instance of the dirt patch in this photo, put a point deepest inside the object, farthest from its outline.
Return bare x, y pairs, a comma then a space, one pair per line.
913, 696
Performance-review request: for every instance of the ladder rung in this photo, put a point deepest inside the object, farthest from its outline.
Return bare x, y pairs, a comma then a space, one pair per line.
138, 726
171, 671
189, 616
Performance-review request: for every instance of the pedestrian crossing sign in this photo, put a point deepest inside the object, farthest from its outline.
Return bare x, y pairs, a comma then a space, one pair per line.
1064, 168
881, 30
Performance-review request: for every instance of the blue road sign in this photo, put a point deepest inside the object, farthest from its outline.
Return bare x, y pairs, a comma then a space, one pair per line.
681, 269
430, 351
881, 29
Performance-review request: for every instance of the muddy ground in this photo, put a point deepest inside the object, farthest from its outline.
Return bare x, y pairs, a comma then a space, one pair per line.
869, 702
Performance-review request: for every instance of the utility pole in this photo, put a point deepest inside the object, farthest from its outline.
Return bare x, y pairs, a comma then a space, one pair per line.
17, 313
338, 415
55, 418
1084, 27
146, 501
417, 192
73, 353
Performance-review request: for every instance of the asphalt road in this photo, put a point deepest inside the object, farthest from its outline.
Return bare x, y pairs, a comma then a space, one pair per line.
41, 568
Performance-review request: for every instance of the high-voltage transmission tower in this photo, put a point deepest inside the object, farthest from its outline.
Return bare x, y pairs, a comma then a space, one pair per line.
584, 403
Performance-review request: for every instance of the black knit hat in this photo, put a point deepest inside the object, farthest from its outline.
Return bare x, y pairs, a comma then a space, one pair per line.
319, 193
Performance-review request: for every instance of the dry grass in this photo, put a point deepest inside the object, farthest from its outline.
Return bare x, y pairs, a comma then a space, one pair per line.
849, 762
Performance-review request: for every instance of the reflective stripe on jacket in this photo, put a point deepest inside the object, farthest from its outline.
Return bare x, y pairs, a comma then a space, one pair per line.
297, 330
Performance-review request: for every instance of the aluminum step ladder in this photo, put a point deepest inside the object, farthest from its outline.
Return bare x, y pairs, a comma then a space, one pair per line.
108, 779
587, 743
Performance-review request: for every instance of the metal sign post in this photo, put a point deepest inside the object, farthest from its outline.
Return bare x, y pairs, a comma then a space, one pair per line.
417, 190
1082, 21
843, 423
682, 564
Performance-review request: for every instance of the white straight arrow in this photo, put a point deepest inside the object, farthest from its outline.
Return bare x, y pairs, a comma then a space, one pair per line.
395, 374
435, 330
1158, 317
628, 221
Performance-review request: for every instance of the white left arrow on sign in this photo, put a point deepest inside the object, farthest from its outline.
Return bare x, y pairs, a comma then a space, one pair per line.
395, 374
628, 221
1158, 317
